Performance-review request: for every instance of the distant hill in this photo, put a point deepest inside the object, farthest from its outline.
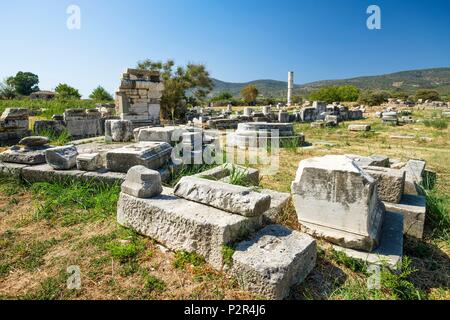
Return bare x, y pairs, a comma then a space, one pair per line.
409, 81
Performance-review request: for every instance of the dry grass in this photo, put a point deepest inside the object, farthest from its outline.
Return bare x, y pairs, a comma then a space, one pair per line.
117, 264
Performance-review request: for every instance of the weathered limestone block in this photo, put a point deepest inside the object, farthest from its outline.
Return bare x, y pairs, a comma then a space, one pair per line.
15, 114
414, 176
223, 172
118, 130
273, 261
359, 127
372, 161
29, 156
336, 200
104, 177
34, 141
355, 114
248, 112
161, 134
224, 196
284, 129
318, 124
89, 161
45, 173
143, 183
331, 120
391, 183
390, 251
180, 224
152, 155
413, 208
278, 205
82, 123
12, 169
62, 158
283, 117
308, 114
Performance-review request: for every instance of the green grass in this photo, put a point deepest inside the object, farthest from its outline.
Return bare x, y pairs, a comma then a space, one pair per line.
57, 139
187, 170
227, 255
439, 124
394, 285
27, 256
238, 176
438, 208
49, 107
153, 284
72, 202
353, 264
124, 252
184, 258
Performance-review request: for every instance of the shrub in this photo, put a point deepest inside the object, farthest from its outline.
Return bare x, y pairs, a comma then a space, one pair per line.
182, 258
154, 284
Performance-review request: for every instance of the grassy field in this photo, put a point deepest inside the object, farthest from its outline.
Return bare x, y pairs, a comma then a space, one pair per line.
49, 108
45, 228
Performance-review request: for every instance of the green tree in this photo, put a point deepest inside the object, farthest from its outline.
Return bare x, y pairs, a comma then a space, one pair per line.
223, 96
372, 98
249, 94
426, 94
348, 93
7, 92
24, 83
345, 93
100, 94
180, 83
296, 99
66, 92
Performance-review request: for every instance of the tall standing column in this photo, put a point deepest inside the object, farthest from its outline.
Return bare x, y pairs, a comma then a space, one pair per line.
290, 87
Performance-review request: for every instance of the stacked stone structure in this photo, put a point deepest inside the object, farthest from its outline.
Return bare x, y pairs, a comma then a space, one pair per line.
139, 97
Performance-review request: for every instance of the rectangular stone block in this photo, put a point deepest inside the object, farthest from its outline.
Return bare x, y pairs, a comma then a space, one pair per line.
151, 155
391, 183
413, 208
180, 224
336, 200
359, 127
273, 261
24, 156
161, 134
278, 204
89, 161
224, 196
223, 172
15, 114
13, 169
104, 176
45, 173
414, 176
390, 250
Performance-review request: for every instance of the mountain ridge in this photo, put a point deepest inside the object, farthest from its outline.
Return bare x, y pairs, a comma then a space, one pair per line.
408, 81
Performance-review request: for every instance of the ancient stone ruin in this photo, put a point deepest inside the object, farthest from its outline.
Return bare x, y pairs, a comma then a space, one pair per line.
14, 125
203, 216
138, 98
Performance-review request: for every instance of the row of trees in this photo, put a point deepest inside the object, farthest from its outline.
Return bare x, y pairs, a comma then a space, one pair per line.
346, 93
24, 84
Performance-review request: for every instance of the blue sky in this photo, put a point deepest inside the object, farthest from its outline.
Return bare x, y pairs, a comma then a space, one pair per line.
238, 40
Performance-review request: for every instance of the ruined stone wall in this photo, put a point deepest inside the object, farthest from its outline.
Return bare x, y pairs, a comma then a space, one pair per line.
139, 97
13, 125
